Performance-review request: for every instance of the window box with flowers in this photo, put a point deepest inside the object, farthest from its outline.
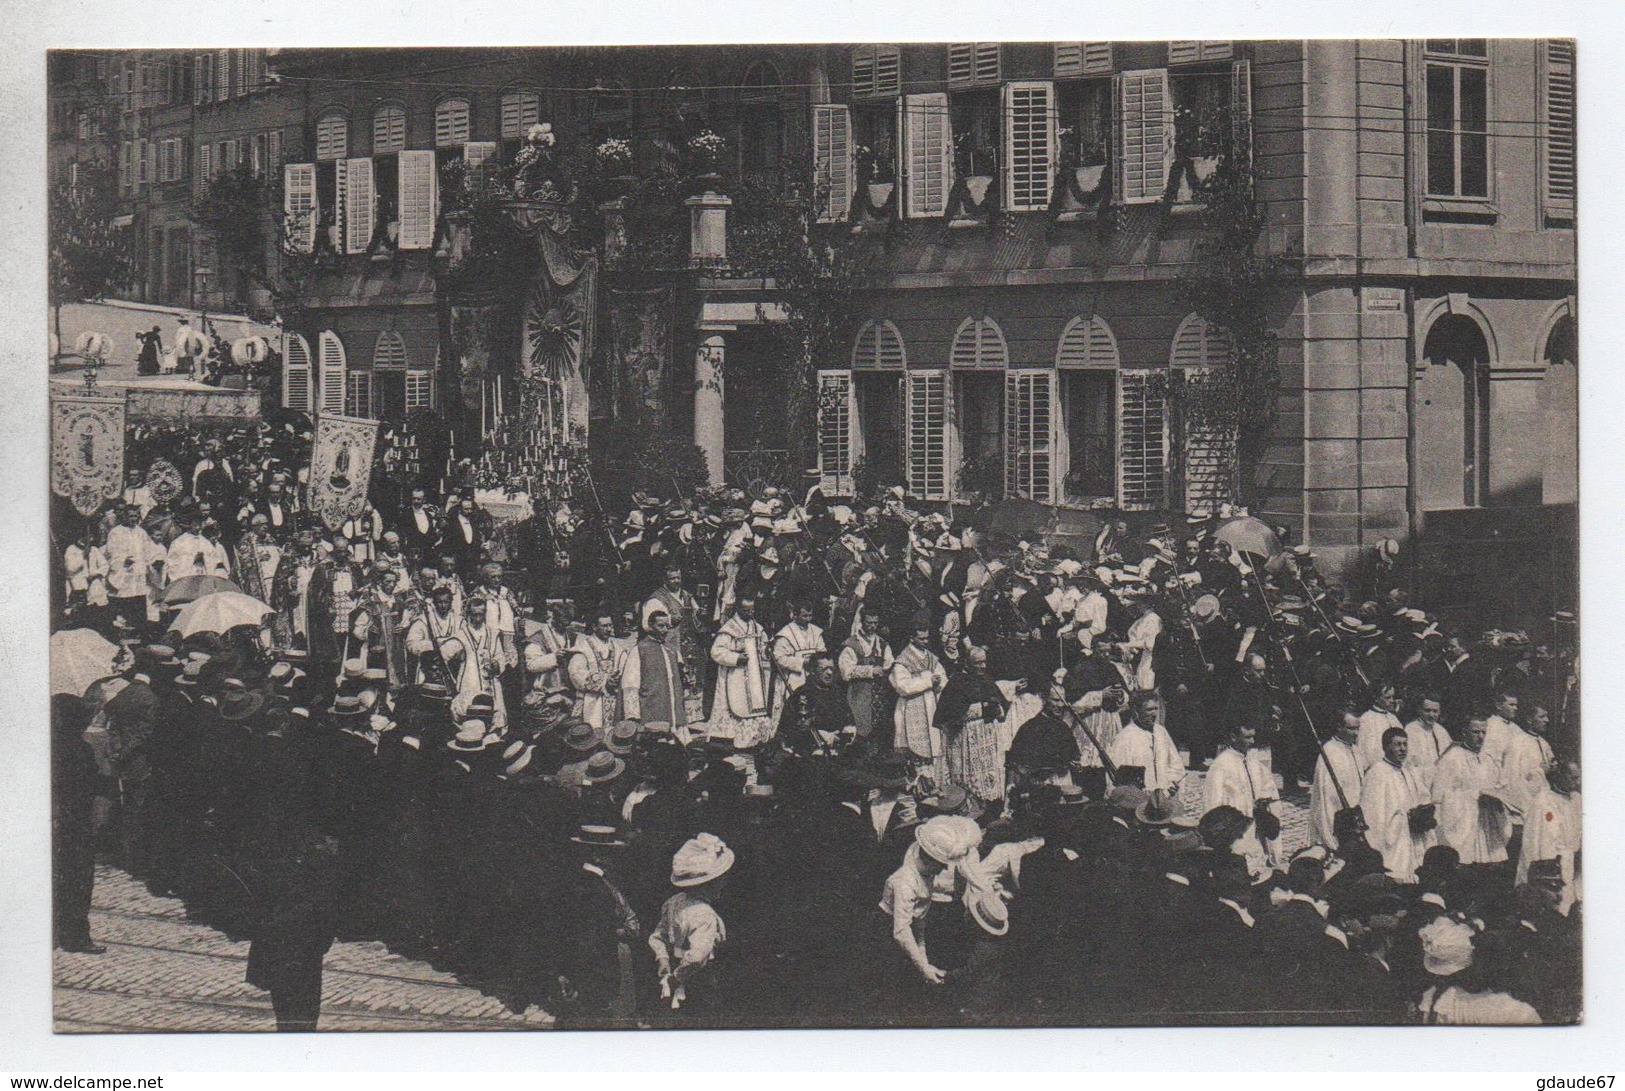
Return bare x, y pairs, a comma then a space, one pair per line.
613, 162
1083, 178
875, 199
974, 195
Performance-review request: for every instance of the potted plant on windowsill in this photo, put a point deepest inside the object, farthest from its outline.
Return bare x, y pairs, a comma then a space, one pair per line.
613, 160
705, 151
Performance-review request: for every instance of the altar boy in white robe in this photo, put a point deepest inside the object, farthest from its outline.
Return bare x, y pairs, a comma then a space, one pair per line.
1144, 743
1336, 784
1471, 819
1399, 816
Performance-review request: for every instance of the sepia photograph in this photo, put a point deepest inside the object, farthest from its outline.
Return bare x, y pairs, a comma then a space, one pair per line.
805, 536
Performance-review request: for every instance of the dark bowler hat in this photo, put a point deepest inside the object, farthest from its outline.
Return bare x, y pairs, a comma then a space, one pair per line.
239, 703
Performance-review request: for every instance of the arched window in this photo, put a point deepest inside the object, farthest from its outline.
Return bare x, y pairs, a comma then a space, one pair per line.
1560, 415
332, 136
520, 110
761, 123
1086, 342
389, 353
451, 123
1453, 428
388, 129
1199, 343
761, 80
878, 345
979, 343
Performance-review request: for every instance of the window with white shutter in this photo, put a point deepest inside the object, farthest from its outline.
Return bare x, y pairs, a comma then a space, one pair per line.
832, 162
927, 429
418, 196
205, 161
298, 202
1145, 136
878, 345
419, 390
1241, 114
451, 123
1029, 145
389, 352
979, 343
1142, 440
520, 110
332, 137
332, 372
1073, 59
388, 129
876, 71
1086, 342
928, 155
126, 164
1557, 159
1029, 434
835, 418
202, 79
973, 64
1193, 52
222, 75
1200, 350
358, 394
360, 204
296, 388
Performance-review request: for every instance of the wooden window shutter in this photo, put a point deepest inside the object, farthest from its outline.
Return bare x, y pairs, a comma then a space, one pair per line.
298, 201
202, 79
359, 201
476, 152
835, 418
927, 429
1029, 434
332, 373
358, 394
1029, 145
1558, 162
1197, 52
879, 345
451, 125
388, 129
1241, 114
296, 389
1086, 343
1144, 113
1082, 59
863, 71
332, 137
126, 165
222, 75
928, 155
973, 63
205, 164
979, 343
832, 162
419, 390
1142, 440
520, 110
418, 193
1198, 343
389, 352
141, 161
888, 71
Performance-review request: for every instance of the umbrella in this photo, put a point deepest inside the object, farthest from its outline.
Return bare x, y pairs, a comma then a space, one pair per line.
219, 613
79, 658
1249, 535
191, 588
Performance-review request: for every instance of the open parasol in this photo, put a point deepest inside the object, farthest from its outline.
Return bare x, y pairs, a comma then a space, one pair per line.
219, 613
1249, 535
191, 588
79, 658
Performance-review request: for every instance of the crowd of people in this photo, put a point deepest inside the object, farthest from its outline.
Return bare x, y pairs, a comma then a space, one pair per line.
773, 759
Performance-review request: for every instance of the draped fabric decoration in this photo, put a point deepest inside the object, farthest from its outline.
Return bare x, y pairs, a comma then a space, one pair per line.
87, 449
560, 317
341, 467
639, 354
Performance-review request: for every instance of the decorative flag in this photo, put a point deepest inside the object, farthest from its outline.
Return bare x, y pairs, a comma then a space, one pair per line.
87, 449
340, 468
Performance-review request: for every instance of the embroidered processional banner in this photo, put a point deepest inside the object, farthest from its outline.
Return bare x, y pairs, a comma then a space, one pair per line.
639, 354
87, 449
340, 468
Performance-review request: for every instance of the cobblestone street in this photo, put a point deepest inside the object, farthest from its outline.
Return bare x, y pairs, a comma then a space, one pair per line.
165, 972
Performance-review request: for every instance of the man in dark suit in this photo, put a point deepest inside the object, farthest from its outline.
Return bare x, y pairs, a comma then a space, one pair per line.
73, 852
464, 535
419, 525
1303, 947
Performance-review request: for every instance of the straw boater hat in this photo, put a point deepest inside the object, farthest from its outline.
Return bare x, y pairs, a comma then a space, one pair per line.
602, 837
988, 910
582, 737
602, 768
948, 838
471, 737
700, 860
621, 738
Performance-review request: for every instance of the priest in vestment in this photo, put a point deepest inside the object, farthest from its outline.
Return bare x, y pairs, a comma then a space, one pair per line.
1390, 800
918, 677
793, 648
651, 676
1428, 739
594, 669
1471, 820
739, 710
1143, 742
1339, 759
1237, 778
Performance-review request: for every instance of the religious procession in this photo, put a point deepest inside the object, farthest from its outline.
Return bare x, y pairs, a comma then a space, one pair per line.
763, 759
